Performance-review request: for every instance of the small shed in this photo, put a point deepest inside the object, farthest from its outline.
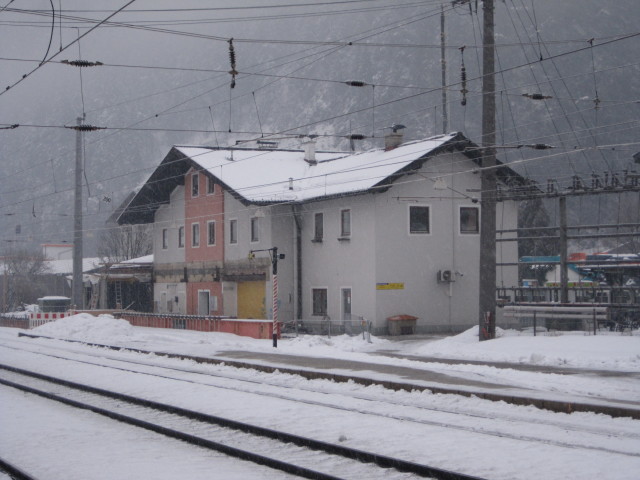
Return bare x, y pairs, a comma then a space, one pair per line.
402, 325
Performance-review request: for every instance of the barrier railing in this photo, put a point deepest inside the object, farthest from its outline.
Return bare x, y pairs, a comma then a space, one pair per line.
244, 327
559, 317
327, 326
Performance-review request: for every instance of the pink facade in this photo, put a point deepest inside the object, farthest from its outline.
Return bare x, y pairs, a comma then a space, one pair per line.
202, 209
204, 238
214, 290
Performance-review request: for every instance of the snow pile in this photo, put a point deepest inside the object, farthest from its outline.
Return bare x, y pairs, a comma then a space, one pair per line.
606, 351
86, 327
321, 344
611, 351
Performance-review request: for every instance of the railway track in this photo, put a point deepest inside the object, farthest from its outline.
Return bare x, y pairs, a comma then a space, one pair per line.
307, 458
551, 405
246, 385
13, 471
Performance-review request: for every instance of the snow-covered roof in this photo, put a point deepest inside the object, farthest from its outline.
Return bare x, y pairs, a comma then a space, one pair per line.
277, 175
262, 176
63, 267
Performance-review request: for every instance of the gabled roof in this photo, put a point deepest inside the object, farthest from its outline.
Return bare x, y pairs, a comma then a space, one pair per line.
258, 176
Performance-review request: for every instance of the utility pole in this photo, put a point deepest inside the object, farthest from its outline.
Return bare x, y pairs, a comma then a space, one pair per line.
564, 277
443, 62
487, 300
77, 292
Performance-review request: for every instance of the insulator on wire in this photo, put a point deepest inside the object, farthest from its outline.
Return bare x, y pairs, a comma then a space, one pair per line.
463, 77
355, 83
85, 128
540, 146
356, 136
81, 63
536, 96
232, 60
10, 127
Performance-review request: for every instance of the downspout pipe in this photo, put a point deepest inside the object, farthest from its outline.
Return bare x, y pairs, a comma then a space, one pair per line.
298, 266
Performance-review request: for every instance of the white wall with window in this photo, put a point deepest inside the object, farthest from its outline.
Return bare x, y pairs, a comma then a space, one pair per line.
319, 302
167, 221
345, 222
469, 220
419, 219
181, 236
170, 298
344, 256
255, 229
318, 226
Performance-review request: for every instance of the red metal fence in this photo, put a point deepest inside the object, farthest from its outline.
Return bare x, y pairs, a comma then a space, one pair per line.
261, 329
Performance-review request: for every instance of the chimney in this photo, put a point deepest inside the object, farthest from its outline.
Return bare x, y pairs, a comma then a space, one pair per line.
310, 151
393, 139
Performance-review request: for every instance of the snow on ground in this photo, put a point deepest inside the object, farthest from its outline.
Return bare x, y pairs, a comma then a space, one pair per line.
428, 442
605, 351
599, 353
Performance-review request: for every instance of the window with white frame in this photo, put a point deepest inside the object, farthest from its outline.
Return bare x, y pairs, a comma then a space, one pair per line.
233, 231
195, 185
195, 234
211, 186
469, 220
419, 219
319, 298
255, 229
181, 236
345, 222
165, 238
211, 233
318, 227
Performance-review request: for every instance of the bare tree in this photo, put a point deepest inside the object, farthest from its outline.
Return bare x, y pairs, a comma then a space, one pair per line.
24, 270
118, 243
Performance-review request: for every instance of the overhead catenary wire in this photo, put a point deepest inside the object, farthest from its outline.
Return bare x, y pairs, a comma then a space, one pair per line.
214, 129
45, 61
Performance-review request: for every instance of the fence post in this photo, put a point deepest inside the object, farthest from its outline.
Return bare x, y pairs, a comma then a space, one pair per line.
534, 323
594, 320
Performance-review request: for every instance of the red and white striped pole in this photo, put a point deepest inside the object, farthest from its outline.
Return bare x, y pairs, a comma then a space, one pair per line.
274, 264
275, 310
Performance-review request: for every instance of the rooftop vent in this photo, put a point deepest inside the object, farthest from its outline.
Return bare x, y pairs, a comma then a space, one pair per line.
310, 151
393, 139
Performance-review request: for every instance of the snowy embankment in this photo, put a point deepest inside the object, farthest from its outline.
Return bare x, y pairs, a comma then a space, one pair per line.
605, 351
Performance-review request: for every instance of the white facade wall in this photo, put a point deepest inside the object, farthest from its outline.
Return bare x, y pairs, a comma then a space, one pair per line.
170, 217
381, 250
276, 229
338, 263
171, 296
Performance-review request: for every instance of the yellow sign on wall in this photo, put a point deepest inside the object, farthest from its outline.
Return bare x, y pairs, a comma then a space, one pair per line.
390, 286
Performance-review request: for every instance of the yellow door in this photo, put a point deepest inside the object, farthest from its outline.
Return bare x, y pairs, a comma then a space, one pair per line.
251, 300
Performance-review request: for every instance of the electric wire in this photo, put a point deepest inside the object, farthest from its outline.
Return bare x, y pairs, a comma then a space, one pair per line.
44, 62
